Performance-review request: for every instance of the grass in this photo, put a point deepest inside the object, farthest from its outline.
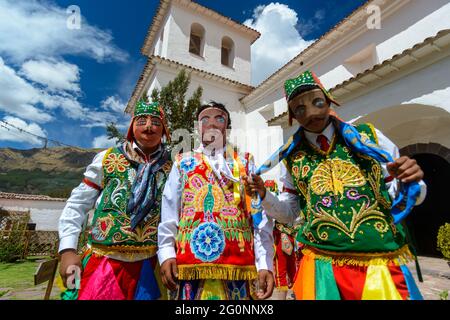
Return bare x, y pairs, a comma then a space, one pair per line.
17, 280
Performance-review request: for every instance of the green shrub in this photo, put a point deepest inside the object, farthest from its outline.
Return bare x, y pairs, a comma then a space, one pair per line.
443, 240
11, 245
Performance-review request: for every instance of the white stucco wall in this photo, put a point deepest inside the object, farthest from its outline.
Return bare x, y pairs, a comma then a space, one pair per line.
428, 86
176, 47
410, 25
45, 214
413, 109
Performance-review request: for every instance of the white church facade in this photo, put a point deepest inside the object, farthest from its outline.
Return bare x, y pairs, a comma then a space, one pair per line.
387, 63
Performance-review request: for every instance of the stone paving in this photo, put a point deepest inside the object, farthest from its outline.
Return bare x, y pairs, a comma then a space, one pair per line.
436, 277
435, 272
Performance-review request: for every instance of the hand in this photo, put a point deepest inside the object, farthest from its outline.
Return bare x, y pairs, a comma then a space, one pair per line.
254, 184
405, 169
69, 260
169, 273
266, 284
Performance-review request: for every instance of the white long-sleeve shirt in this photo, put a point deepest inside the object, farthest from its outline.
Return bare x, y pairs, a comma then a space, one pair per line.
171, 208
82, 199
285, 208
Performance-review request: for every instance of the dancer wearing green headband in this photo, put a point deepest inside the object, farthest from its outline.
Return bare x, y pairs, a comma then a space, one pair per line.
124, 184
352, 188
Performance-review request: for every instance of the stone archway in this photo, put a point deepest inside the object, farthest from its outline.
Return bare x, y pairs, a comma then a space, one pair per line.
426, 218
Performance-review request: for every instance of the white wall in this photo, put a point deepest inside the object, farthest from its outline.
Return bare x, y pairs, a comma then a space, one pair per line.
177, 34
44, 213
428, 86
413, 109
412, 24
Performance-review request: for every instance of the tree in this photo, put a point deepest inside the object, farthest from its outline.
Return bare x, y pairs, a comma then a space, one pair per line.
180, 113
113, 133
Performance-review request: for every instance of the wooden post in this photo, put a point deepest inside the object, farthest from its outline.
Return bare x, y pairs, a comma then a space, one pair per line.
46, 272
27, 235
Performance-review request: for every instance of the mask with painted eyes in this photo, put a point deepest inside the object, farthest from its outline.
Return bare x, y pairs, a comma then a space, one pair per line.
213, 125
299, 110
148, 121
218, 119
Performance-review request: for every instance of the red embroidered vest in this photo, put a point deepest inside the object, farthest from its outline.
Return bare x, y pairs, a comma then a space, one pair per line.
215, 234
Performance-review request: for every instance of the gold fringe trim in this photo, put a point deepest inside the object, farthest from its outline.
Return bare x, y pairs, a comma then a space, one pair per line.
214, 271
283, 288
399, 257
125, 253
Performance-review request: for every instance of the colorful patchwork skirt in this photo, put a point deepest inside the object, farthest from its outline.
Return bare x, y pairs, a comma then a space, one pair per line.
105, 278
212, 289
325, 275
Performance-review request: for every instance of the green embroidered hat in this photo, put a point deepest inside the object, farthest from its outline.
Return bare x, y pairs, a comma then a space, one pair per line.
308, 80
142, 108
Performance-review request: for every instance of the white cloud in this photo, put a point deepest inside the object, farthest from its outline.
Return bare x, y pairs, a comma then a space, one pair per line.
113, 103
31, 29
9, 133
55, 75
280, 41
18, 97
103, 142
35, 79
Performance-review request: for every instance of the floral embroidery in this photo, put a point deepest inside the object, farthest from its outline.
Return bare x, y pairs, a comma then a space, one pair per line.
229, 197
305, 170
189, 196
116, 162
102, 228
327, 202
188, 164
299, 156
229, 211
208, 242
353, 194
296, 172
189, 212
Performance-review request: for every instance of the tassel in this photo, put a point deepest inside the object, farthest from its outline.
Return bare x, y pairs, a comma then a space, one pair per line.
220, 272
398, 257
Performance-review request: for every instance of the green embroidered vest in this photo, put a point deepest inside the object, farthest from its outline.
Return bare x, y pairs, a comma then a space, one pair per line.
343, 198
111, 224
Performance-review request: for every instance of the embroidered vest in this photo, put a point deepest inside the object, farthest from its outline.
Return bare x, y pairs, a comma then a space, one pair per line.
343, 197
215, 234
111, 231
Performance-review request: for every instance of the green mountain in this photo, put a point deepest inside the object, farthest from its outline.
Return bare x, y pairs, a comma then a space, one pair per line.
52, 171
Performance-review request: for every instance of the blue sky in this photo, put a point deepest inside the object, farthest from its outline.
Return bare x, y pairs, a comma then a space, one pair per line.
67, 84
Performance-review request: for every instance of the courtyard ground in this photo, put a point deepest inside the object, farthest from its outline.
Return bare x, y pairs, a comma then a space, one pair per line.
16, 280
